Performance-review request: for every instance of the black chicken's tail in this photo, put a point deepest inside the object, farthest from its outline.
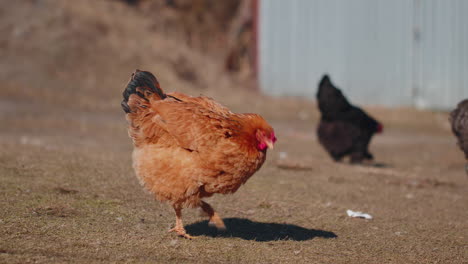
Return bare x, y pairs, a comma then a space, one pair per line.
143, 84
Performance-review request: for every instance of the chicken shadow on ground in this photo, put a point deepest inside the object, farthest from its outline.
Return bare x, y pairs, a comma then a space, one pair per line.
380, 165
263, 232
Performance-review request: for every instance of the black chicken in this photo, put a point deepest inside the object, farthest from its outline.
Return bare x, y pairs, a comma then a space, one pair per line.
344, 129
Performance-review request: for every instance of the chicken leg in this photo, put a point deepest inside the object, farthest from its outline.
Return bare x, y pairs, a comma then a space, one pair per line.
179, 227
215, 220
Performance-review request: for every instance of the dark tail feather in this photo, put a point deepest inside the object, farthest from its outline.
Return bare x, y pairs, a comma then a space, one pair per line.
146, 82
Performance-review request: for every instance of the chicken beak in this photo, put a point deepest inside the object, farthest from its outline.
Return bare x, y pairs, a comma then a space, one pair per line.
269, 144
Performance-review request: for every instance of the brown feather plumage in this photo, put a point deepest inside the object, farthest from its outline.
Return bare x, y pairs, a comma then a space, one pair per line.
187, 148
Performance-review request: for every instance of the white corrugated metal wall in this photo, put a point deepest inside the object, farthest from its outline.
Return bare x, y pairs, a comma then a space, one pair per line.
397, 52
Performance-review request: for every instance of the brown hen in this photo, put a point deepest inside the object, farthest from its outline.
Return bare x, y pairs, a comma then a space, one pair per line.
187, 148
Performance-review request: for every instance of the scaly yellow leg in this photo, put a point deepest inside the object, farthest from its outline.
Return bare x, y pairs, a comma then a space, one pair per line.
179, 227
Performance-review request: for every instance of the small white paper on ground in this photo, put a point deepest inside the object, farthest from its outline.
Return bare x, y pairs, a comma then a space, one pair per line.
358, 214
283, 155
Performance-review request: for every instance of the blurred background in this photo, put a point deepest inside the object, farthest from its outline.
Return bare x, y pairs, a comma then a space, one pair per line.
79, 53
390, 53
394, 53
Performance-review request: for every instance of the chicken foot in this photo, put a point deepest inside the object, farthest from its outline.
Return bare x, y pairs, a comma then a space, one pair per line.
179, 227
215, 220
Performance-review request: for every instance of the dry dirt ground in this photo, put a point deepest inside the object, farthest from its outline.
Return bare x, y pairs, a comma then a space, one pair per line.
68, 193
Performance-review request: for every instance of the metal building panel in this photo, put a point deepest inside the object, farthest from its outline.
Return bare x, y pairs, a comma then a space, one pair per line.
293, 38
443, 47
378, 51
393, 53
